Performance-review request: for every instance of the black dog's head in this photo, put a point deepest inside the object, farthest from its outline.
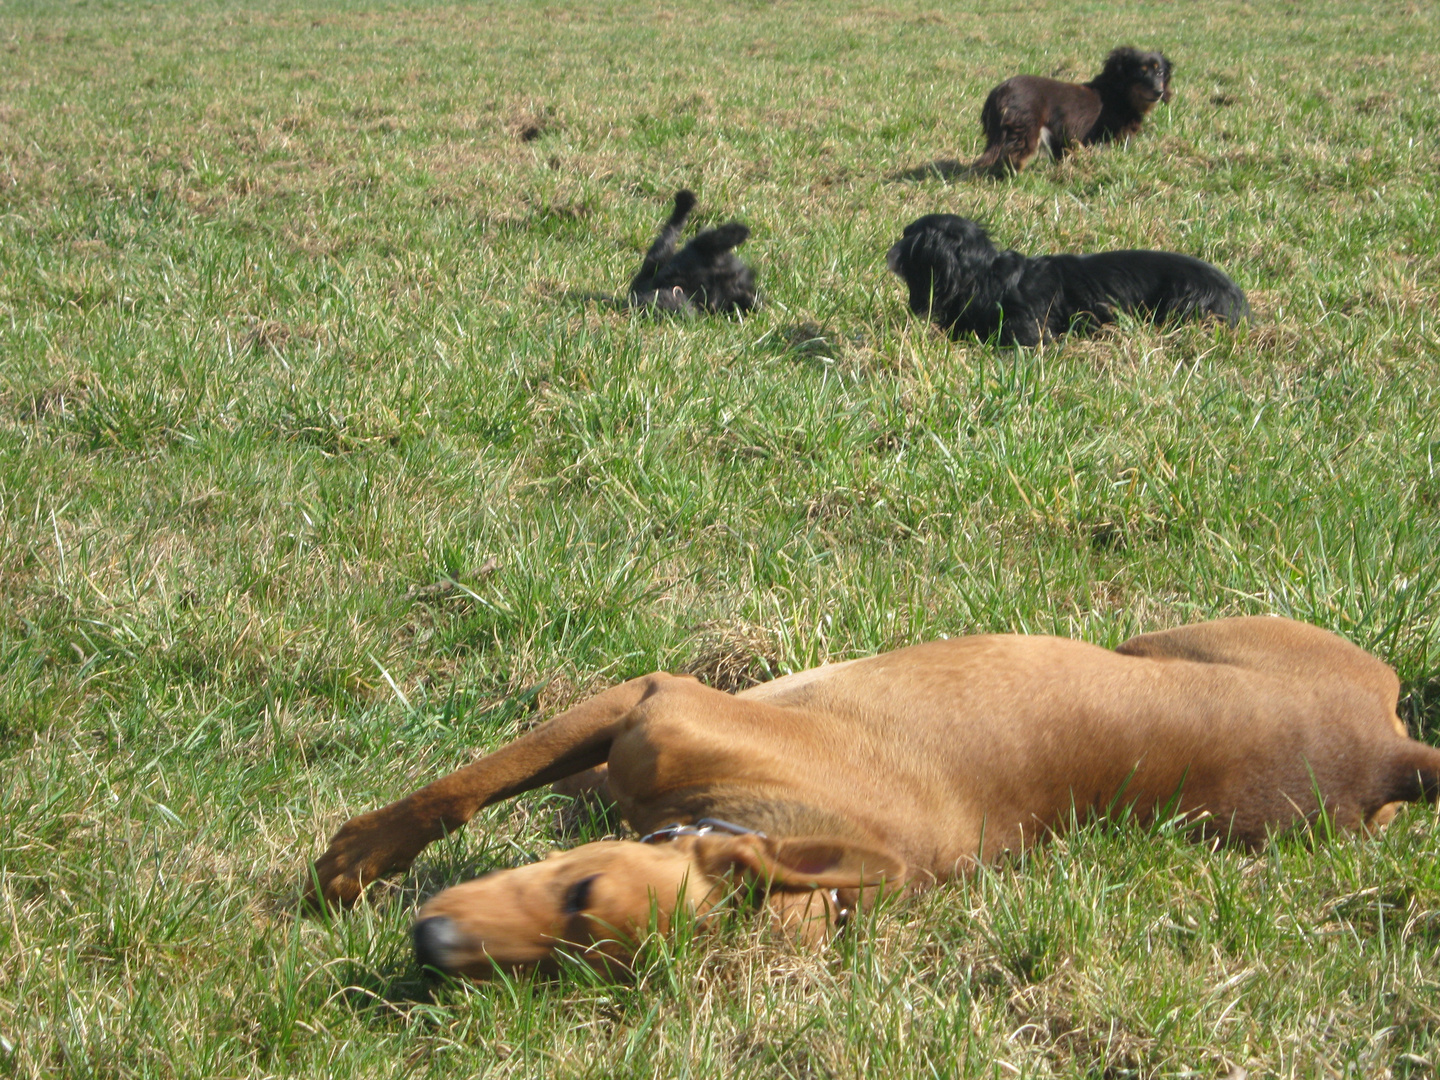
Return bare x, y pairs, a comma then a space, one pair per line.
943, 258
1145, 75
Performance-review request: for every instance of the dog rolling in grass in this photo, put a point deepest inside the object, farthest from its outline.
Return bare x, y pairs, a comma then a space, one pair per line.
964, 284
803, 799
705, 275
1027, 112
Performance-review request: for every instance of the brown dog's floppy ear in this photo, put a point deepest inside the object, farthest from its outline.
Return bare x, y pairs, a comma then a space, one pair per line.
809, 862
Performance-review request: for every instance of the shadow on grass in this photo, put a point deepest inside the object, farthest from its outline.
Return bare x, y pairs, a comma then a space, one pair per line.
939, 169
599, 299
811, 343
1420, 708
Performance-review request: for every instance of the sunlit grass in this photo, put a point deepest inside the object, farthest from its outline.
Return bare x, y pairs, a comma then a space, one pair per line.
298, 321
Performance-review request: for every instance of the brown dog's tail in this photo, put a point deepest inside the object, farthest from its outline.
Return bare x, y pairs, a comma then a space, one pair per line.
993, 161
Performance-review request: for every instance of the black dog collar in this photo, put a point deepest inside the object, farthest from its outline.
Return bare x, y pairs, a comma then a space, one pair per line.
707, 825
704, 827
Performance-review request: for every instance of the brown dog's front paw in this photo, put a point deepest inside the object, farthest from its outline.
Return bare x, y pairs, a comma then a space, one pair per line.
366, 847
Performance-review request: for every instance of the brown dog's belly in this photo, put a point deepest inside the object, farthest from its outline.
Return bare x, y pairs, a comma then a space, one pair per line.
957, 751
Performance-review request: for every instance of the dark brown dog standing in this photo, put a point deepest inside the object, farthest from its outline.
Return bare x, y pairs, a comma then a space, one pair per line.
1027, 111
898, 771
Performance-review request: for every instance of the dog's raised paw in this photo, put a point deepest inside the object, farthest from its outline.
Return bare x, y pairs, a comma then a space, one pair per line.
365, 849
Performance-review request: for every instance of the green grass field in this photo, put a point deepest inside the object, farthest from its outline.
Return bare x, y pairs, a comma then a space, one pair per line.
294, 329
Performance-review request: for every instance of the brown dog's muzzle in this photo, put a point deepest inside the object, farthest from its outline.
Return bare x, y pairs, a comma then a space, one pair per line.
594, 903
597, 902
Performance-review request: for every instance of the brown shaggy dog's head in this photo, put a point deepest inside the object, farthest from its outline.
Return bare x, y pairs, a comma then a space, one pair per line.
1145, 76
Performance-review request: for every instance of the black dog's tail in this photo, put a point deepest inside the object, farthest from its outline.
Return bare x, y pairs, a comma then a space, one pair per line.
1236, 306
1224, 299
717, 241
663, 249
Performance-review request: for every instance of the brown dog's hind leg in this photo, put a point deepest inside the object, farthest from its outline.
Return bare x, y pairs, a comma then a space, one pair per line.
387, 840
1414, 775
1276, 645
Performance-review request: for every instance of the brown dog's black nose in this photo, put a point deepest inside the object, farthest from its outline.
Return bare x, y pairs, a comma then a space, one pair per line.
435, 939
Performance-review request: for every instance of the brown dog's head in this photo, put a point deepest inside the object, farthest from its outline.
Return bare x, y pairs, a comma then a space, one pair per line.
1146, 75
595, 902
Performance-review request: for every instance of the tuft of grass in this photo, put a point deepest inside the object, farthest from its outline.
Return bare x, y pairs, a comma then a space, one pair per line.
299, 323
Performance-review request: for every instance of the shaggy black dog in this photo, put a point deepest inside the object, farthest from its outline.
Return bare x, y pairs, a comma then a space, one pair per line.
1026, 112
706, 275
964, 284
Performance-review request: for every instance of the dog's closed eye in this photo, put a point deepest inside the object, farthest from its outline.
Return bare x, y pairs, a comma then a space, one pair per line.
577, 896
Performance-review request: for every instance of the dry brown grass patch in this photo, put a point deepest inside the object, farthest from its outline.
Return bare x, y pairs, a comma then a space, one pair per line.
731, 654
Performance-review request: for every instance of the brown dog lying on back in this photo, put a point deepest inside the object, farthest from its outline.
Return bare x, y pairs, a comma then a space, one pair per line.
1026, 112
898, 771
